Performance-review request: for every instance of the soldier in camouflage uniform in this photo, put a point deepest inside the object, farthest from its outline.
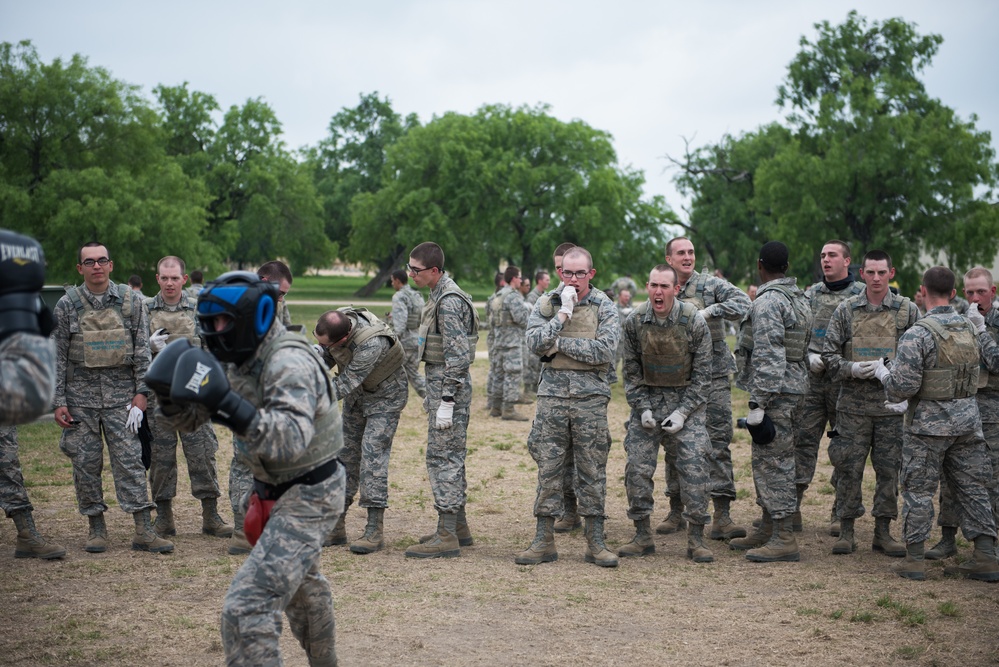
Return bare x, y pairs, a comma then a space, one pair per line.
819, 407
576, 331
494, 386
172, 316
449, 331
718, 300
980, 290
407, 307
282, 405
278, 272
936, 367
862, 330
27, 379
624, 309
773, 340
197, 284
532, 362
102, 352
511, 322
667, 375
371, 381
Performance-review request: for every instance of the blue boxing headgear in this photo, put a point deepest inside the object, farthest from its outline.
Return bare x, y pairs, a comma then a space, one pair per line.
249, 301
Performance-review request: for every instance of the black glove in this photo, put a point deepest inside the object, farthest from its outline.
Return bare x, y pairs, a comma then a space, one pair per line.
199, 378
159, 376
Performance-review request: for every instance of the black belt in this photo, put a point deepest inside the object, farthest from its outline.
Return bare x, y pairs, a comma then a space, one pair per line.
274, 491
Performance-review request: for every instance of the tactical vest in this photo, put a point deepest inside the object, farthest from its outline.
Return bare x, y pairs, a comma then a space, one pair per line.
431, 340
583, 324
988, 382
105, 336
795, 339
693, 293
666, 357
344, 354
823, 305
956, 372
327, 440
180, 323
492, 311
874, 335
413, 309
503, 316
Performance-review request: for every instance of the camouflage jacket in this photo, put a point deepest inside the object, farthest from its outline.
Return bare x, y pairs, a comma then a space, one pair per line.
721, 299
988, 398
455, 321
27, 377
513, 319
388, 397
405, 301
532, 298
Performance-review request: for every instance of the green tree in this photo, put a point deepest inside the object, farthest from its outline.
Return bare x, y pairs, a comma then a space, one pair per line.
188, 125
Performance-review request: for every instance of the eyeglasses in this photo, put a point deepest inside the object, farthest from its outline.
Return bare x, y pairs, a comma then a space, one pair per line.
89, 263
415, 271
579, 275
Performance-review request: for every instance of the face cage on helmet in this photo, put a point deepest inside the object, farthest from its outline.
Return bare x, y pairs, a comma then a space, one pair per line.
240, 301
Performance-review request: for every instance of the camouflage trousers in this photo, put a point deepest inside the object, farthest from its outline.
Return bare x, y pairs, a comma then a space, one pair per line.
282, 574
367, 443
446, 450
199, 451
84, 445
13, 495
817, 410
773, 464
687, 452
720, 432
511, 373
948, 511
494, 377
532, 370
412, 367
965, 462
240, 485
861, 436
576, 425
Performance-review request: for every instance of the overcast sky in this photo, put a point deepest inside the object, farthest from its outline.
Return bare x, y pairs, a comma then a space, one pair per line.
649, 73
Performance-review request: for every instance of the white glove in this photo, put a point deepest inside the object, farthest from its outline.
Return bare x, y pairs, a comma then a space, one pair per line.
157, 341
648, 421
976, 317
881, 371
755, 417
445, 415
569, 300
319, 350
897, 408
815, 363
863, 370
673, 423
134, 420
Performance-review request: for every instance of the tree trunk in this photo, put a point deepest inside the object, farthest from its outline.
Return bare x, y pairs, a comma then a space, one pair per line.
385, 268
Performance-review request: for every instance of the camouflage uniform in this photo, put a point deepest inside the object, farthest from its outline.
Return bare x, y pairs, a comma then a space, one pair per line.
623, 312
865, 426
371, 409
532, 362
194, 291
457, 323
941, 432
687, 451
773, 371
13, 495
724, 301
407, 306
199, 447
511, 322
572, 403
27, 376
297, 420
99, 398
494, 376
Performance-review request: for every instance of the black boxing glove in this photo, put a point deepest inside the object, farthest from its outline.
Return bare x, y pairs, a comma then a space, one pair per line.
159, 376
199, 378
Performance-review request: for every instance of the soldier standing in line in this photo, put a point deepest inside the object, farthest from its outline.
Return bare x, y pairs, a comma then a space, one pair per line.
773, 340
102, 353
371, 381
937, 367
407, 308
576, 331
862, 330
449, 332
282, 406
717, 300
511, 323
197, 284
532, 363
27, 379
172, 316
667, 375
494, 388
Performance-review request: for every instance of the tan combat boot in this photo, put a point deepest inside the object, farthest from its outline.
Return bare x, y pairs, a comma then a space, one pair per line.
238, 544
642, 543
761, 535
696, 551
913, 567
983, 565
542, 549
510, 413
30, 543
164, 526
596, 551
674, 520
833, 523
883, 541
211, 522
97, 540
846, 544
796, 525
372, 539
463, 532
339, 534
494, 403
781, 547
145, 539
946, 547
722, 527
445, 542
570, 519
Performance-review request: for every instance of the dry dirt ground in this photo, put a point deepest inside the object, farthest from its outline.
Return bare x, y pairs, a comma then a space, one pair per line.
129, 608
